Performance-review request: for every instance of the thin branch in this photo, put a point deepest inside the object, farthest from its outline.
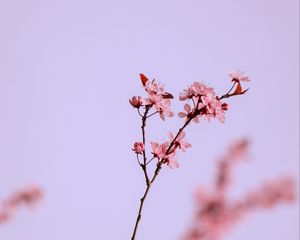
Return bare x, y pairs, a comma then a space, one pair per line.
140, 211
144, 165
156, 172
150, 160
139, 112
152, 114
194, 102
138, 160
227, 95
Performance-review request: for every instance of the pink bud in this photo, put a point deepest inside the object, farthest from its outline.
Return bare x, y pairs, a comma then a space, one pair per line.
136, 101
138, 147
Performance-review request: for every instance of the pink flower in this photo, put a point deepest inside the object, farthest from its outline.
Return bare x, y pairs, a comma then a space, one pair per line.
160, 152
201, 89
213, 108
187, 109
158, 99
239, 76
138, 147
163, 107
136, 101
152, 100
186, 94
188, 113
153, 87
171, 162
197, 89
208, 104
180, 141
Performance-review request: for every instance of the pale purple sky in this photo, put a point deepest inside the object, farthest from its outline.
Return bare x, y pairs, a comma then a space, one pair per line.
67, 69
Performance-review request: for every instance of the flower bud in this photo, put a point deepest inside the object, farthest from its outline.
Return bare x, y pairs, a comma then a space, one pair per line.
136, 101
138, 147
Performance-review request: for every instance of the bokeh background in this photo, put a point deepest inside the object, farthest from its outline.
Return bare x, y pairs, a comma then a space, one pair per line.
67, 70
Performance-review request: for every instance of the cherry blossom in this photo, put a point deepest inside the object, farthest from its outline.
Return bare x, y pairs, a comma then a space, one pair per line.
160, 151
216, 213
189, 114
197, 90
213, 108
154, 88
180, 141
238, 75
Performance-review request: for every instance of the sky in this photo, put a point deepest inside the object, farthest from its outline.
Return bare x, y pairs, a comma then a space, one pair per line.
67, 70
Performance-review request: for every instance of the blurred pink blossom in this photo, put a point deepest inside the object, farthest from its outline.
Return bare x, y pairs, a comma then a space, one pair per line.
216, 213
28, 196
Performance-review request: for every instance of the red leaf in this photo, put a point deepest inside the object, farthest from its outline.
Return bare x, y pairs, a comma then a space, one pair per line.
238, 89
144, 79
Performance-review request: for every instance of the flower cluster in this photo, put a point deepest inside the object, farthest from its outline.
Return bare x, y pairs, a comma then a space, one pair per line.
166, 151
157, 98
29, 196
205, 103
216, 214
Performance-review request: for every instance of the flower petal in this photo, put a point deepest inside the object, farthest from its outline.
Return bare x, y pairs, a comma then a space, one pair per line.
181, 114
187, 108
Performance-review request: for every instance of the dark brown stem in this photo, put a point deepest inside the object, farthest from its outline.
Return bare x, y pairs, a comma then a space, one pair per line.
227, 95
144, 165
150, 160
138, 160
152, 114
156, 172
138, 219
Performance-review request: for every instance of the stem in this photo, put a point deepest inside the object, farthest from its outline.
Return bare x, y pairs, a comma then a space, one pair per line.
138, 219
139, 112
138, 160
227, 95
144, 165
152, 114
150, 161
231, 88
157, 170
